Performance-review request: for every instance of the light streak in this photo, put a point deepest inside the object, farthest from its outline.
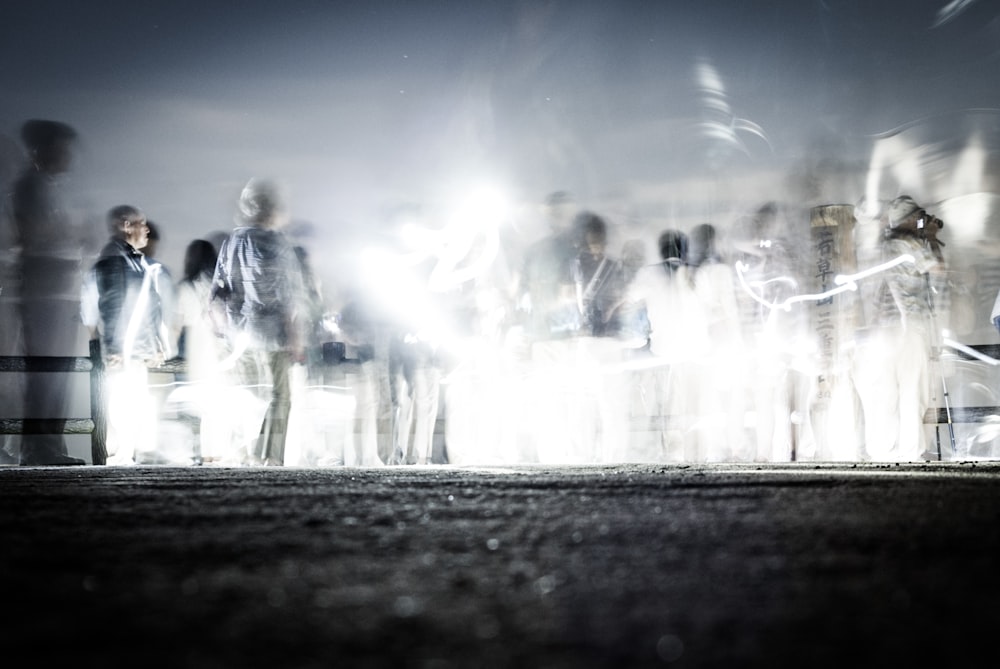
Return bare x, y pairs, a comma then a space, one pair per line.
845, 282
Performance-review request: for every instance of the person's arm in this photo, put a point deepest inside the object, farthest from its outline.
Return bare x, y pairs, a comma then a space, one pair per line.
221, 292
111, 289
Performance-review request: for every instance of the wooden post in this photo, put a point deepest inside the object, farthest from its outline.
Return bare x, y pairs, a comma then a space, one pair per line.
834, 318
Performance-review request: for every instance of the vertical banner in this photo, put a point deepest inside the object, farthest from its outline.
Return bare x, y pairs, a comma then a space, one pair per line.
833, 318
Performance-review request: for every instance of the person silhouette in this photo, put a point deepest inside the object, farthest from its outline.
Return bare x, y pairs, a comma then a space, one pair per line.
131, 332
259, 286
49, 267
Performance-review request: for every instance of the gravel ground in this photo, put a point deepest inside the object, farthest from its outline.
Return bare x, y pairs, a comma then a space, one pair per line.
798, 565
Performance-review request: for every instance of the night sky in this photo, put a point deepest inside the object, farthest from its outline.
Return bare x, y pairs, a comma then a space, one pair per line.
643, 110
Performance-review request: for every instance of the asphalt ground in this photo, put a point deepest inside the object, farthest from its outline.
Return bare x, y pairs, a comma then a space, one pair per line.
794, 565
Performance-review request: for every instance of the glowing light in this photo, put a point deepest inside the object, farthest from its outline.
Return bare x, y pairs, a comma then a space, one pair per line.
471, 241
844, 282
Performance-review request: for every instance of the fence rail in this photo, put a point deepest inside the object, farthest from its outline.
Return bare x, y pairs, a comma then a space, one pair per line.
96, 424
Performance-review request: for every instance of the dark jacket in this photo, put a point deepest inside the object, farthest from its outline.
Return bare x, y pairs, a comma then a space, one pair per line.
128, 303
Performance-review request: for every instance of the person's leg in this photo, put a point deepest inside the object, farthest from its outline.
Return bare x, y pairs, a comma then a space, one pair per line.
51, 327
275, 427
426, 389
914, 396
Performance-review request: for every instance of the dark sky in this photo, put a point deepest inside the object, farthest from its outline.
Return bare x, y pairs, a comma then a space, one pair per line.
357, 106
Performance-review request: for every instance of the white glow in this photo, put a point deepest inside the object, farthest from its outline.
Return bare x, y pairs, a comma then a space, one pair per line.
845, 282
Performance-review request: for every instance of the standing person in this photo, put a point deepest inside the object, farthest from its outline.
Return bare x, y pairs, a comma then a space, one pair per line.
131, 332
893, 370
544, 295
49, 271
633, 324
544, 286
192, 326
259, 286
721, 397
321, 427
677, 339
600, 285
778, 339
599, 279
163, 279
197, 344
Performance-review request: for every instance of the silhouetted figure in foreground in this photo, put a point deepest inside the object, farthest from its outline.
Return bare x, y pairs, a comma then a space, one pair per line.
49, 268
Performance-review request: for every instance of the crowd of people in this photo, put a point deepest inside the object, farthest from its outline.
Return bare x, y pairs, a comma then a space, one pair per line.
585, 346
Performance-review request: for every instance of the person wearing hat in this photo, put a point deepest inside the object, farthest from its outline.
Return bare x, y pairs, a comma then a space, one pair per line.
257, 293
894, 364
49, 269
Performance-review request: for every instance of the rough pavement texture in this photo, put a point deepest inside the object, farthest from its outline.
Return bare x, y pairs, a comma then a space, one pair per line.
699, 566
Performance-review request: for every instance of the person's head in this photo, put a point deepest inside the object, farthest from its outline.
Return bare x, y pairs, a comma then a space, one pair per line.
633, 256
673, 245
152, 240
129, 224
559, 210
199, 260
909, 219
261, 205
904, 213
49, 143
702, 244
593, 234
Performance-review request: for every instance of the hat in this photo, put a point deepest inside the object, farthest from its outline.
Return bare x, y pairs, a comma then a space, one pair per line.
901, 208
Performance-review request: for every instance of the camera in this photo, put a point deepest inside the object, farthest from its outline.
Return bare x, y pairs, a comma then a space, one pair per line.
929, 221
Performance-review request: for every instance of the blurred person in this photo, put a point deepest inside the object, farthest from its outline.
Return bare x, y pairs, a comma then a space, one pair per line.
779, 341
191, 318
160, 383
198, 345
320, 408
365, 330
423, 330
12, 391
598, 278
600, 287
48, 269
469, 375
258, 287
164, 280
677, 339
131, 334
720, 398
544, 285
893, 370
633, 336
546, 301
633, 323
